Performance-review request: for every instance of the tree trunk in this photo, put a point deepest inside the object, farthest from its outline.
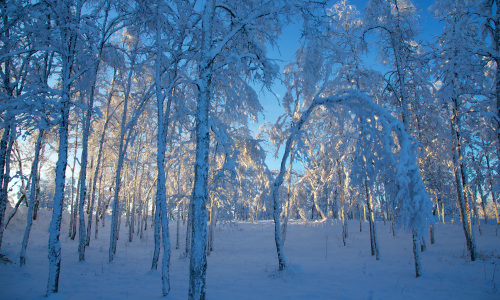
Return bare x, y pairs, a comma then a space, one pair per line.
163, 125
131, 221
31, 207
371, 219
4, 189
100, 211
198, 255
177, 229
359, 216
483, 203
157, 228
8, 92
317, 207
82, 183
82, 239
431, 230
97, 171
287, 204
187, 249
37, 192
62, 160
22, 189
461, 185
121, 157
442, 212
210, 244
21, 199
416, 254
72, 220
492, 193
342, 200
475, 209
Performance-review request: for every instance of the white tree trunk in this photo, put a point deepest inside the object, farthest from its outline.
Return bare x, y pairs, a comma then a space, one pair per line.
55, 223
198, 212
29, 217
161, 197
342, 197
82, 179
74, 210
69, 38
371, 219
460, 179
83, 235
121, 157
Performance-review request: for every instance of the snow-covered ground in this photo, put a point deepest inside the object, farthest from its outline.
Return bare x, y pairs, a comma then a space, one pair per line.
243, 264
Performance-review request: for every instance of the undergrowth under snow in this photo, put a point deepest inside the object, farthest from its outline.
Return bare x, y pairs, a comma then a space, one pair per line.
244, 264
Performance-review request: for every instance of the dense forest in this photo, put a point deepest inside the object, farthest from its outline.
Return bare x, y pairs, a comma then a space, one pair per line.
146, 110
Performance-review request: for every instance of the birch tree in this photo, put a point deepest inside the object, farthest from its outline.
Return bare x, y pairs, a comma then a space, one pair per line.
32, 198
229, 34
412, 199
138, 101
460, 74
67, 15
108, 26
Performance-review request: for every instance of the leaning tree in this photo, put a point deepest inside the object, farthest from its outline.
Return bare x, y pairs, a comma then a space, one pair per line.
412, 203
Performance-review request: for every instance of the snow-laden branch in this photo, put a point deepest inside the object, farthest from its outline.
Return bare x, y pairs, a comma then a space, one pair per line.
264, 10
413, 205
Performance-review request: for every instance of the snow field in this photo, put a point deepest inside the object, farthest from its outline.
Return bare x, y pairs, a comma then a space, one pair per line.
244, 264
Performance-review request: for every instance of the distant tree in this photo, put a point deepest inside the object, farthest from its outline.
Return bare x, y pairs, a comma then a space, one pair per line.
109, 23
136, 94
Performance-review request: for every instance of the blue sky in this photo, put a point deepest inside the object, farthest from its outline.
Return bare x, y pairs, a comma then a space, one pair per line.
288, 43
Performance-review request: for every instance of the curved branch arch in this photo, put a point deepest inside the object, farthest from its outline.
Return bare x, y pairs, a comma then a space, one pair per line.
413, 203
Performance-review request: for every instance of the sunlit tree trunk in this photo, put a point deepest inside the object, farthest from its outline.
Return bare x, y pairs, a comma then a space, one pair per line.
371, 220
287, 204
343, 213
460, 177
97, 171
116, 214
82, 233
32, 198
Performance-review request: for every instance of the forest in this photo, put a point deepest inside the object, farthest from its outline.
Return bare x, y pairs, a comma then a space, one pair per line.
142, 120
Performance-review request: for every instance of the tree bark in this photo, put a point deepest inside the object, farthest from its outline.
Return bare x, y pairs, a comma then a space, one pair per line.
121, 157
371, 219
5, 151
74, 211
32, 198
463, 201
416, 254
198, 255
54, 255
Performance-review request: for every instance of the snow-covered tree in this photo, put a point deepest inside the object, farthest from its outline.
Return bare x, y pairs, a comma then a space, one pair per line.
461, 76
67, 16
232, 36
